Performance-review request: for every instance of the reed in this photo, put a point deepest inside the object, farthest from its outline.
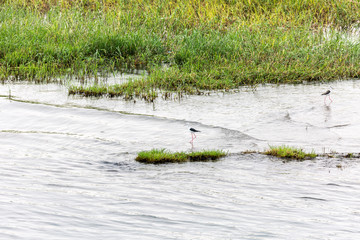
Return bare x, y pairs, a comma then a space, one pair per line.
159, 156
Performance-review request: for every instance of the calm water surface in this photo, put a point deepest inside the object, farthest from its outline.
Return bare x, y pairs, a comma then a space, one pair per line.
68, 170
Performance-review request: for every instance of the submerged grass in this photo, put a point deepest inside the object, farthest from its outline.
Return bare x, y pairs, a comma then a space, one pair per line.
159, 156
207, 45
289, 153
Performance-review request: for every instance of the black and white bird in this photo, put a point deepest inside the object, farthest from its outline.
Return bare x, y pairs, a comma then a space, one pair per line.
327, 94
193, 136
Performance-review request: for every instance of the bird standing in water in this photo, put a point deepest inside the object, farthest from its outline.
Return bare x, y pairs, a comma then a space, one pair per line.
327, 94
193, 136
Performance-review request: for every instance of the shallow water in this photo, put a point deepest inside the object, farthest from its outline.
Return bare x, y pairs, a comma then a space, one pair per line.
68, 169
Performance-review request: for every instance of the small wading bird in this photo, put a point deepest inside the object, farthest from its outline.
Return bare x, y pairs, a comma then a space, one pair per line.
327, 94
193, 136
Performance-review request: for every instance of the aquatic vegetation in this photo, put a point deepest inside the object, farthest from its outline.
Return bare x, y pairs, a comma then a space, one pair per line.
289, 153
205, 45
342, 155
216, 13
127, 91
206, 155
158, 156
248, 56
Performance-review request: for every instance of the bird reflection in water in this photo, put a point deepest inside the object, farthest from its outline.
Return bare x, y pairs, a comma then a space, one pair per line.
327, 112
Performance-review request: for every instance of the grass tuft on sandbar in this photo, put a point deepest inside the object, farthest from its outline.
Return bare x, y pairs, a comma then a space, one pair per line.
289, 153
160, 156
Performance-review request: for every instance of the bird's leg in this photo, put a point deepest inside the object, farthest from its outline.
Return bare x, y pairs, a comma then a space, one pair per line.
330, 98
192, 138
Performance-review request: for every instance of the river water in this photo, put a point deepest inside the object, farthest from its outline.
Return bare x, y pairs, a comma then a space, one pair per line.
68, 171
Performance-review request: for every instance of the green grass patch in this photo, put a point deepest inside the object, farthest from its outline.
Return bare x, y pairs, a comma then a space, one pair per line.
207, 45
214, 13
249, 55
289, 153
128, 91
159, 156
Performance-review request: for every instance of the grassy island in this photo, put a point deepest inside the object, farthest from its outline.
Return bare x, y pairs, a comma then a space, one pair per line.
158, 156
185, 46
289, 153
